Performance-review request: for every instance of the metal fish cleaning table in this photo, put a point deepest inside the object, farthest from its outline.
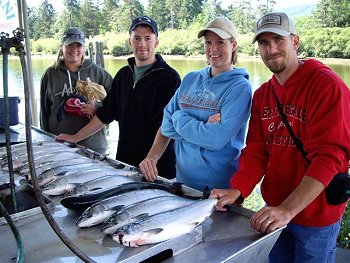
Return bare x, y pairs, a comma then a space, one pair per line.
223, 237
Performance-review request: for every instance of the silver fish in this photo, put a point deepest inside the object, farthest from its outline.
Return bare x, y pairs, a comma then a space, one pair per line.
55, 172
40, 158
136, 211
99, 183
166, 225
21, 148
101, 211
68, 181
60, 163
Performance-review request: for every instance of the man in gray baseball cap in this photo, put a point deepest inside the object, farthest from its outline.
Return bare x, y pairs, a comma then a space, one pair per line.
278, 23
299, 118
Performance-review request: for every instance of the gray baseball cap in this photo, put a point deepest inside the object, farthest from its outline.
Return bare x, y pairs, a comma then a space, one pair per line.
275, 22
221, 26
73, 35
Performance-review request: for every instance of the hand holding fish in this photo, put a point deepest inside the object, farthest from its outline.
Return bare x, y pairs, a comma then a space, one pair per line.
149, 169
225, 196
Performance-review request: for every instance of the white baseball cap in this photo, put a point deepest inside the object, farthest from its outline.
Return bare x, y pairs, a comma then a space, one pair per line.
221, 26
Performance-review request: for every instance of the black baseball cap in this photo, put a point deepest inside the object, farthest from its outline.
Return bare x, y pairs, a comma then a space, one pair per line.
144, 20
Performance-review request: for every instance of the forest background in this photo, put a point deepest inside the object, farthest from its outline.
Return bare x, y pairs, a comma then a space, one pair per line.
325, 32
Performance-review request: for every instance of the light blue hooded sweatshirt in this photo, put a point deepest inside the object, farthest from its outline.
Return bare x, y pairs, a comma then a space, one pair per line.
207, 153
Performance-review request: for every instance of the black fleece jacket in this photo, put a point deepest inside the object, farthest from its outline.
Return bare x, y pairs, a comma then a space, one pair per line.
138, 108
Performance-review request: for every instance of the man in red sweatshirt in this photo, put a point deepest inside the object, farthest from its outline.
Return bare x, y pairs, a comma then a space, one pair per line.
316, 103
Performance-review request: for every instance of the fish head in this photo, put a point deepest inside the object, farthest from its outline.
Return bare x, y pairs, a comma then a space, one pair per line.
57, 187
129, 235
117, 220
90, 214
46, 177
79, 189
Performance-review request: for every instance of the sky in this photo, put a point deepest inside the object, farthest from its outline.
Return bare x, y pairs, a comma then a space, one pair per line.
58, 4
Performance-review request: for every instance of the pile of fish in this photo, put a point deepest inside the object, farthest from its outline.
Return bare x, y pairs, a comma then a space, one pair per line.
61, 169
133, 212
139, 213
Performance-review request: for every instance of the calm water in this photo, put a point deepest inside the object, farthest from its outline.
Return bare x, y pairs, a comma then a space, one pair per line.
257, 71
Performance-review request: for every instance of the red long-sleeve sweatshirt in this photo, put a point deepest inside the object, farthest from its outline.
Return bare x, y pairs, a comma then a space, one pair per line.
317, 104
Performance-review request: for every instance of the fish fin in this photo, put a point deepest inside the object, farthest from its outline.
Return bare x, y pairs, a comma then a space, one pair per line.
140, 216
154, 231
95, 189
206, 193
117, 208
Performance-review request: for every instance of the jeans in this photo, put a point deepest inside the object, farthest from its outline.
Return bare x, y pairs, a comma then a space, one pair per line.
301, 244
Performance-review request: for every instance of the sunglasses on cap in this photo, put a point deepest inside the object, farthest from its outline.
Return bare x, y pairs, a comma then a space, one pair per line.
145, 19
73, 36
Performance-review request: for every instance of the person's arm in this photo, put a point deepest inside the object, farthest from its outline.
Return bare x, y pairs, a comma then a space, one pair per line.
270, 218
234, 112
89, 108
148, 166
44, 104
89, 129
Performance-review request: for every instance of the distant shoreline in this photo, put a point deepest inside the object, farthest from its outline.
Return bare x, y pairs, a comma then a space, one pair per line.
341, 61
333, 61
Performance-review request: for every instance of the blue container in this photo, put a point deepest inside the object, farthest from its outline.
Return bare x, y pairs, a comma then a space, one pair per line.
13, 110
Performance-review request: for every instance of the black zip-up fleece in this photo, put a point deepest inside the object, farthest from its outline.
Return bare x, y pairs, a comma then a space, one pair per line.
138, 108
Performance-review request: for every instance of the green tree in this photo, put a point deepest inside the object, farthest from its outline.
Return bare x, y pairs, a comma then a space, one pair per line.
71, 12
265, 6
89, 14
158, 11
332, 13
109, 8
212, 9
42, 22
187, 10
125, 13
32, 17
242, 15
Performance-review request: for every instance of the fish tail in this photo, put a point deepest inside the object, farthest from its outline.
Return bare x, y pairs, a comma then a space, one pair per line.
206, 193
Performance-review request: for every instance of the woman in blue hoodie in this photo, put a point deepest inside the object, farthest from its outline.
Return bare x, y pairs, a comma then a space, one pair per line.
207, 117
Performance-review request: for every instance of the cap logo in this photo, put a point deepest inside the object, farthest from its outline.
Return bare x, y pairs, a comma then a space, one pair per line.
269, 19
73, 36
145, 19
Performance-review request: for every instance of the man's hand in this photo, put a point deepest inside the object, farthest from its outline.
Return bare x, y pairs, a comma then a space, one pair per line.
88, 108
270, 218
66, 138
225, 196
